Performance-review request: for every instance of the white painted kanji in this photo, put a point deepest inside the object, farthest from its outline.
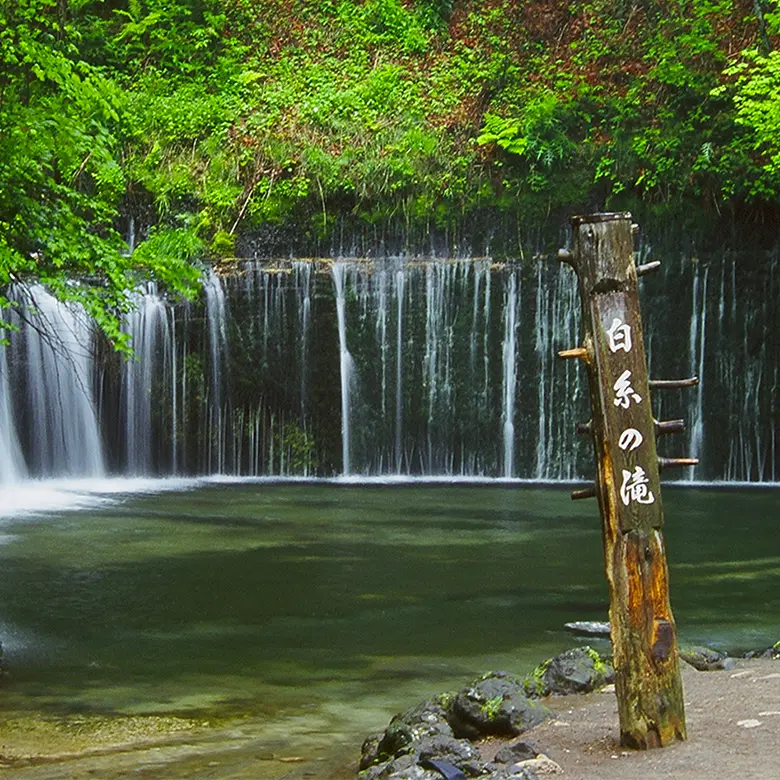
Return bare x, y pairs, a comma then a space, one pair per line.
634, 487
619, 335
624, 392
630, 439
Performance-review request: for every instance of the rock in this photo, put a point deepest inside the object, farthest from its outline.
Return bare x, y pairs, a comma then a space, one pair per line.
428, 719
412, 740
771, 653
580, 670
516, 752
495, 704
588, 627
541, 765
706, 659
511, 773
369, 752
458, 752
402, 768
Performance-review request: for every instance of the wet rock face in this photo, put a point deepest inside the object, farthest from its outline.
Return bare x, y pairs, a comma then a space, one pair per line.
496, 705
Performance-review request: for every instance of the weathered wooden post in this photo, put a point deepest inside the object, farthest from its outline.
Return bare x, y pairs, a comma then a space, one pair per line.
644, 645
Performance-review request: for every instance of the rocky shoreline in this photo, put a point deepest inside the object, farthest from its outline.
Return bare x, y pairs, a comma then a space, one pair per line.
476, 732
441, 736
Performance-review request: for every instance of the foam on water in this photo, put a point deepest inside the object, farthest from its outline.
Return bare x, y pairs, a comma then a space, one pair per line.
32, 497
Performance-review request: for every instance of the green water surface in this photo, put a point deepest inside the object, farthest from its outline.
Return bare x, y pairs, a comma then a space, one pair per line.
292, 619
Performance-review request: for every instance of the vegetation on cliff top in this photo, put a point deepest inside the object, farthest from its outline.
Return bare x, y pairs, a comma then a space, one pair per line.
206, 120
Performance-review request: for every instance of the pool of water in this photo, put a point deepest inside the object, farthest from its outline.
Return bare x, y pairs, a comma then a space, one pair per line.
279, 623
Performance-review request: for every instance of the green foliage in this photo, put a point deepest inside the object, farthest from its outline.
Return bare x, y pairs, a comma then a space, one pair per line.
299, 448
534, 684
492, 707
756, 100
385, 22
223, 244
213, 118
61, 173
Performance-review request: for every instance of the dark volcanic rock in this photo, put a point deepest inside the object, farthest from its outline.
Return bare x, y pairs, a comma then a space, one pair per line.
369, 752
412, 737
706, 659
402, 768
580, 670
459, 752
426, 720
495, 704
415, 764
518, 751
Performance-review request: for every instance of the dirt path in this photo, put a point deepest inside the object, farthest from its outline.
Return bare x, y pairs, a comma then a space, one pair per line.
733, 720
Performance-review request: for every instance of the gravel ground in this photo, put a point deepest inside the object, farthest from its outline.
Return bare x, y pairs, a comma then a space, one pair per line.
733, 720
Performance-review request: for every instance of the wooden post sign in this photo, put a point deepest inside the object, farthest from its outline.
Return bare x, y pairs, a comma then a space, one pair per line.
644, 645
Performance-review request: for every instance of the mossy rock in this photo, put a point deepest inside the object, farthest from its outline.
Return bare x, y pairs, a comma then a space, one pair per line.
495, 704
580, 670
705, 659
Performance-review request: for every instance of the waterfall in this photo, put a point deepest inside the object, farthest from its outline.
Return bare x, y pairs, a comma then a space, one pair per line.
428, 367
149, 332
12, 466
131, 235
303, 286
509, 387
174, 399
346, 365
382, 340
698, 331
63, 433
218, 345
543, 339
399, 369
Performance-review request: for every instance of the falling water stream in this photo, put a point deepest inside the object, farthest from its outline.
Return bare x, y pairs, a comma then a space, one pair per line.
12, 466
346, 366
385, 367
510, 377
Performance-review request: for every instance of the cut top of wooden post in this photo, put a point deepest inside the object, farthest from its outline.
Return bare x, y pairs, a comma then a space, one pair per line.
603, 250
623, 424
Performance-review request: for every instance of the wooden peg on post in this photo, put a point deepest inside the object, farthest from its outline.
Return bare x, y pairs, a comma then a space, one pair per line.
644, 644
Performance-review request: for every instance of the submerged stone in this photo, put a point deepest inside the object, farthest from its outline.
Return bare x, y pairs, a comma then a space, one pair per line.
588, 627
